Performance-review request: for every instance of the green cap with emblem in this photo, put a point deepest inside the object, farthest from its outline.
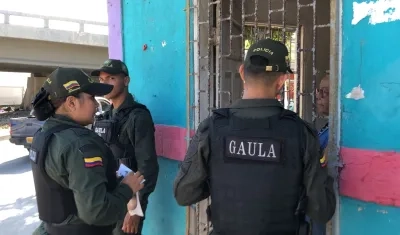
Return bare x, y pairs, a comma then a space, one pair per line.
274, 51
112, 67
64, 82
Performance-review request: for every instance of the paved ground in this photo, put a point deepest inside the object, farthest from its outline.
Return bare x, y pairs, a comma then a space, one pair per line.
18, 212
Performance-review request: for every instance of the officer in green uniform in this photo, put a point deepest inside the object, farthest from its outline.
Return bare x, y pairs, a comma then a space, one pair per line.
74, 173
128, 128
259, 162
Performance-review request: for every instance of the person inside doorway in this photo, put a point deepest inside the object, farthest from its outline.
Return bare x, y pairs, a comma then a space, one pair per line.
322, 95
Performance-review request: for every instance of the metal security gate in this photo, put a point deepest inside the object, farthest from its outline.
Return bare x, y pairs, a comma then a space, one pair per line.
222, 32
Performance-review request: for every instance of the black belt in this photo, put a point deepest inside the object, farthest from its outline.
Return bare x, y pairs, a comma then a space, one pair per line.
78, 229
271, 233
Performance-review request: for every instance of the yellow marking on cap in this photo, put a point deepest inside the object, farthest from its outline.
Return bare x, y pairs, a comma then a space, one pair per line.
71, 86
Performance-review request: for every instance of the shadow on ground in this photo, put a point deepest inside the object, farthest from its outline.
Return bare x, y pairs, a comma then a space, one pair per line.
16, 166
20, 217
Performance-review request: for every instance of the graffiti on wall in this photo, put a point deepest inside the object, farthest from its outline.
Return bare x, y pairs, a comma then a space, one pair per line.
380, 11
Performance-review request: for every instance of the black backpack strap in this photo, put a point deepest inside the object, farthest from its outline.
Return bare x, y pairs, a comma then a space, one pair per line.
222, 112
219, 117
124, 114
288, 114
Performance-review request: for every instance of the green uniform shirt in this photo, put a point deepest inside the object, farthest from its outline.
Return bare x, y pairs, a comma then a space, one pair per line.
65, 164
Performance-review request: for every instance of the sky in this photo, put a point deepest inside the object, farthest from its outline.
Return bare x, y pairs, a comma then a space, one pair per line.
93, 10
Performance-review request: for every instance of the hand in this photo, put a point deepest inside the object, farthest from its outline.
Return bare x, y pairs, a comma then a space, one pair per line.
131, 224
134, 181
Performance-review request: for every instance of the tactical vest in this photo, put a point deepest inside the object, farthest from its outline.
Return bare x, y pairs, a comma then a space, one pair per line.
56, 203
109, 128
255, 173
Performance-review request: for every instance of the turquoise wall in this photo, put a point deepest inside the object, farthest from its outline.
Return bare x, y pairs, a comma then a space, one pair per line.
158, 79
370, 125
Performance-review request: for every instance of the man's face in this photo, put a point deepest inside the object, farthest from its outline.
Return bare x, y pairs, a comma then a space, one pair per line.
322, 95
119, 81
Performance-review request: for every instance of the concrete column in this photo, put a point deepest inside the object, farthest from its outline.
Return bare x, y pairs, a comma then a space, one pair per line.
34, 83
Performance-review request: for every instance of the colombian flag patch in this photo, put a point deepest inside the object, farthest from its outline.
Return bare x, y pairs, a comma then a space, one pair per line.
71, 86
93, 162
323, 161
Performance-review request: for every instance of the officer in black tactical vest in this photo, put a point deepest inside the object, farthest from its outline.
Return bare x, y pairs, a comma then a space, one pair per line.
258, 161
128, 129
75, 178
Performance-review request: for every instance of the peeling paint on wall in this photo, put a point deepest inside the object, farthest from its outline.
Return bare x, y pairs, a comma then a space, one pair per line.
379, 11
356, 93
163, 43
382, 211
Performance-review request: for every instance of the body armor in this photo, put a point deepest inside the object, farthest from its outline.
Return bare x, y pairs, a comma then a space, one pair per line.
56, 203
109, 127
256, 172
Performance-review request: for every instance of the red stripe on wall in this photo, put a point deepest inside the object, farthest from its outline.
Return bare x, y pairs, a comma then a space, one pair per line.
371, 176
171, 142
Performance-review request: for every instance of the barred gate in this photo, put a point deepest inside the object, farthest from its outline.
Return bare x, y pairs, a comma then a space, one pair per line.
222, 32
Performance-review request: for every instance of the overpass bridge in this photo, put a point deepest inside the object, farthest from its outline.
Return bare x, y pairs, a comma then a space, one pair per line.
38, 44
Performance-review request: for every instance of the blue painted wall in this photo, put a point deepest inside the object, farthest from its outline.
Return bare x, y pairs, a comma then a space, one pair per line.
370, 58
164, 216
362, 218
158, 74
158, 79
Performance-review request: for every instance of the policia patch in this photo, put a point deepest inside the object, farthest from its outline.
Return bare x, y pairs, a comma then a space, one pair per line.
259, 149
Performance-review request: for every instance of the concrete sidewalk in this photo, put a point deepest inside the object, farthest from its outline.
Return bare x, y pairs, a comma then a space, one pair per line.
4, 134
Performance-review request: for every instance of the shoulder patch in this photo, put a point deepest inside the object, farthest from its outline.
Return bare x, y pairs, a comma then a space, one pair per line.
93, 161
33, 155
91, 155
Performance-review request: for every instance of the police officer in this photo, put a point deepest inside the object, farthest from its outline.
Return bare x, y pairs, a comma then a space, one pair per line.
257, 161
128, 128
74, 173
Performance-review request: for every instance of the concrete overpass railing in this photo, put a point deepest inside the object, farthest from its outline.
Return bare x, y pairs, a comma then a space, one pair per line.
54, 29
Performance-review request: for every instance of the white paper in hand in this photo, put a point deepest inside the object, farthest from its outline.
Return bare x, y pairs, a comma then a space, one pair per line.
122, 172
138, 210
